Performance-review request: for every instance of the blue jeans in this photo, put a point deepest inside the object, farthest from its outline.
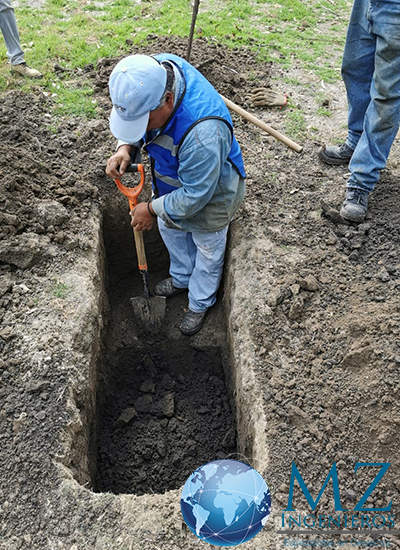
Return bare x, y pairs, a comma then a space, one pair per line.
371, 73
8, 26
196, 263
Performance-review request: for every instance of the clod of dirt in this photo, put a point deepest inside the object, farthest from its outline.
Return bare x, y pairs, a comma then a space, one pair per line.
49, 212
331, 213
26, 250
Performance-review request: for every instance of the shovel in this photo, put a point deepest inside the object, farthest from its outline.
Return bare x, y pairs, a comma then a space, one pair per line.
149, 310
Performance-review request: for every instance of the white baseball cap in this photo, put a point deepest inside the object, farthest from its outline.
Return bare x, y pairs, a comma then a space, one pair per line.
136, 85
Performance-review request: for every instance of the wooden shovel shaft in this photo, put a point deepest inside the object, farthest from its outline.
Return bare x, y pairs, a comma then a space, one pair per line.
141, 253
287, 141
142, 261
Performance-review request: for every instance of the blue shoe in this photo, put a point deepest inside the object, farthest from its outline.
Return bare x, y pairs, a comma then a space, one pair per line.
336, 154
355, 205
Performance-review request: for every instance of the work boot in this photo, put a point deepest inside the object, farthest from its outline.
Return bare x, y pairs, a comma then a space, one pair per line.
336, 154
25, 70
355, 205
192, 322
166, 288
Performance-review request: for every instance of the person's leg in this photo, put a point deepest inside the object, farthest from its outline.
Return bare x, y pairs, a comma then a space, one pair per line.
357, 69
8, 26
206, 277
182, 253
382, 118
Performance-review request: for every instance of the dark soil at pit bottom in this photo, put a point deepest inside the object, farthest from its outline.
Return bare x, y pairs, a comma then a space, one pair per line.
157, 430
164, 406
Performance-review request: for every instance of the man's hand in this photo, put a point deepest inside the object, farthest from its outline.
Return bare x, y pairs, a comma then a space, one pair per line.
142, 220
117, 164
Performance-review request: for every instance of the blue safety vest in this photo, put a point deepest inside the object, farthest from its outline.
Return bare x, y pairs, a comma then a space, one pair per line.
198, 101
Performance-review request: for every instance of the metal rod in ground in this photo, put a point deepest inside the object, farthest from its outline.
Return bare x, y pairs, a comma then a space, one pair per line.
192, 26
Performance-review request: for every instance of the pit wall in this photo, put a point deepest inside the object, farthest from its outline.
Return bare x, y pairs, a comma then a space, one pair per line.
87, 278
250, 418
154, 521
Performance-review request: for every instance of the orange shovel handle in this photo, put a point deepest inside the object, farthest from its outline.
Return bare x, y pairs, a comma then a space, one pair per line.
132, 192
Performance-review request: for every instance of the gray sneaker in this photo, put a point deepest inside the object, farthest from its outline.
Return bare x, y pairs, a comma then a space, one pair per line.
336, 154
166, 288
355, 205
192, 322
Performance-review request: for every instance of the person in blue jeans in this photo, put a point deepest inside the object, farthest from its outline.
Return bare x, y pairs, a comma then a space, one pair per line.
371, 73
165, 104
8, 26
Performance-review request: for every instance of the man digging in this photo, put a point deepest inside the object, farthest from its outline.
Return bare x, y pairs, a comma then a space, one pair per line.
165, 104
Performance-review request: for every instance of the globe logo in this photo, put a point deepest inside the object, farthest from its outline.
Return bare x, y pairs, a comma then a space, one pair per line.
225, 502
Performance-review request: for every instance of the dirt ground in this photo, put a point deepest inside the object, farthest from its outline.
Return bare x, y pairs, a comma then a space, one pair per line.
307, 322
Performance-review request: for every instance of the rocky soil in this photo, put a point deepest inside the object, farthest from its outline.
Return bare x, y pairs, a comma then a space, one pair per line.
307, 328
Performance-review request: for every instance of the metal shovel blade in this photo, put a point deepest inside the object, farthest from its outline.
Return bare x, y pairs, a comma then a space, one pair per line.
149, 311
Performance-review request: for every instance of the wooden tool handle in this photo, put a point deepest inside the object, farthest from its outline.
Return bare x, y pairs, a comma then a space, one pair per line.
141, 253
287, 141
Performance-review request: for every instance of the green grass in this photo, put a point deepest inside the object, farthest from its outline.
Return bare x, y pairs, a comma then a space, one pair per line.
59, 290
74, 33
324, 112
295, 124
